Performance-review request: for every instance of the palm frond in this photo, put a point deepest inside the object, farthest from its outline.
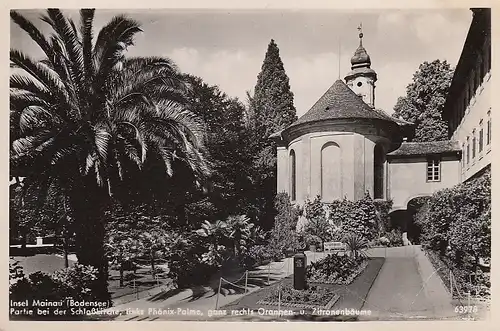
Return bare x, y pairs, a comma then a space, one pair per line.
33, 32
111, 41
71, 45
86, 21
21, 100
36, 70
102, 138
33, 117
21, 82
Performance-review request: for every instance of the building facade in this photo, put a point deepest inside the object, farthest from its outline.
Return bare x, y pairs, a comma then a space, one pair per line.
344, 147
468, 105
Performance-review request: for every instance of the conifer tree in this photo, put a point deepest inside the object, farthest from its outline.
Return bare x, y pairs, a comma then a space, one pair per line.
273, 100
271, 109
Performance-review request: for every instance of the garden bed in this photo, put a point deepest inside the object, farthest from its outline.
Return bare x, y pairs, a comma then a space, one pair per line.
481, 292
313, 297
336, 269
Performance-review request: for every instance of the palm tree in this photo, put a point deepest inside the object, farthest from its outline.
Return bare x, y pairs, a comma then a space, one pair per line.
356, 245
85, 113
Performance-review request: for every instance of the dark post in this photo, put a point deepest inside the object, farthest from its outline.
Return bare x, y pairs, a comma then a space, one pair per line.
299, 271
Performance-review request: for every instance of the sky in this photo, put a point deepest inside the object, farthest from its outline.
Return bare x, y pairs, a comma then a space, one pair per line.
227, 48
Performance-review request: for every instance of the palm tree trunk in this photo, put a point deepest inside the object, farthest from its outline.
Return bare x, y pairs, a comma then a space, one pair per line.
89, 239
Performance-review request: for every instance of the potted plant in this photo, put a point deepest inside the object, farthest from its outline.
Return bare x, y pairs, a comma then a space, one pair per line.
313, 242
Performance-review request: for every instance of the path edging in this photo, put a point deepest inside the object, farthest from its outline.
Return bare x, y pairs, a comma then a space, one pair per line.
433, 286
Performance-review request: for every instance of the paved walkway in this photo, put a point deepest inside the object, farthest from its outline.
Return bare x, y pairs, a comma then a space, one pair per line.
401, 293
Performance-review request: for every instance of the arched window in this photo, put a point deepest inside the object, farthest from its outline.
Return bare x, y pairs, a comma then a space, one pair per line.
331, 170
293, 175
378, 172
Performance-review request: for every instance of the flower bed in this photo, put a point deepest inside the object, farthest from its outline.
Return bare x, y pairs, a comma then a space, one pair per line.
313, 297
336, 269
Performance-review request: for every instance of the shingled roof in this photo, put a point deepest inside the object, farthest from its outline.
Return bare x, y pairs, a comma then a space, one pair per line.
340, 102
426, 148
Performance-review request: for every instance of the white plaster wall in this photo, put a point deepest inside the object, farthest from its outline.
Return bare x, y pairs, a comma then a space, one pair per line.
366, 90
282, 169
408, 179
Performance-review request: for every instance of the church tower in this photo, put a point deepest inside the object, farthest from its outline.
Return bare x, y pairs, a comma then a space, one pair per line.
361, 79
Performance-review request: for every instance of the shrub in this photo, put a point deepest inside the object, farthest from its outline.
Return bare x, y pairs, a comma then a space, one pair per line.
356, 217
337, 269
75, 282
382, 209
456, 223
459, 218
186, 261
317, 225
78, 281
284, 235
395, 238
256, 255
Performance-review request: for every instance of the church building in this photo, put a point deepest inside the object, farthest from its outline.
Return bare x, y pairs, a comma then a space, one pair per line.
344, 146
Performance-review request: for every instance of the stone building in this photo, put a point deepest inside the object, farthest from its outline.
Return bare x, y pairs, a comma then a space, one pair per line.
344, 146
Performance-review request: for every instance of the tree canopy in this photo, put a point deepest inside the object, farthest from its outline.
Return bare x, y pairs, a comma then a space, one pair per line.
424, 101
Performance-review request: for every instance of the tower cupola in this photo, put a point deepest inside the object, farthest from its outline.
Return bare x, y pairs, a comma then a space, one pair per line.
361, 79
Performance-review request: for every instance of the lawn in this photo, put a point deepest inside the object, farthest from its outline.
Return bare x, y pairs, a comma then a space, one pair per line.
47, 263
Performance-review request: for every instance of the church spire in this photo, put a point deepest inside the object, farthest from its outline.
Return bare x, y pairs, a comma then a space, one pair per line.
361, 59
362, 78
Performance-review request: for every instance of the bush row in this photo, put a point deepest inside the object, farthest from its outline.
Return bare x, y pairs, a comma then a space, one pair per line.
456, 224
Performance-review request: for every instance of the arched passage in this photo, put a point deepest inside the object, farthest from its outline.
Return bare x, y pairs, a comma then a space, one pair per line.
331, 172
404, 219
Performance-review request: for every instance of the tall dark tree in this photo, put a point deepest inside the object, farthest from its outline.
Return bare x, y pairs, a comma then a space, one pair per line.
271, 109
87, 116
273, 100
223, 118
424, 101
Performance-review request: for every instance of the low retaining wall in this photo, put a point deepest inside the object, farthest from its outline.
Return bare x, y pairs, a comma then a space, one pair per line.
433, 286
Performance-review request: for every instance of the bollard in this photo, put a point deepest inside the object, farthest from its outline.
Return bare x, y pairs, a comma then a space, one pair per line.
299, 271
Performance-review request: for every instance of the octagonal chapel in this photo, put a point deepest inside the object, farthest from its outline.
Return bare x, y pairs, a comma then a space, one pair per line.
344, 147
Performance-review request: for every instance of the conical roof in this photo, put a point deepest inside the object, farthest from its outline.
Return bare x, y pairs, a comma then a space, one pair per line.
340, 102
